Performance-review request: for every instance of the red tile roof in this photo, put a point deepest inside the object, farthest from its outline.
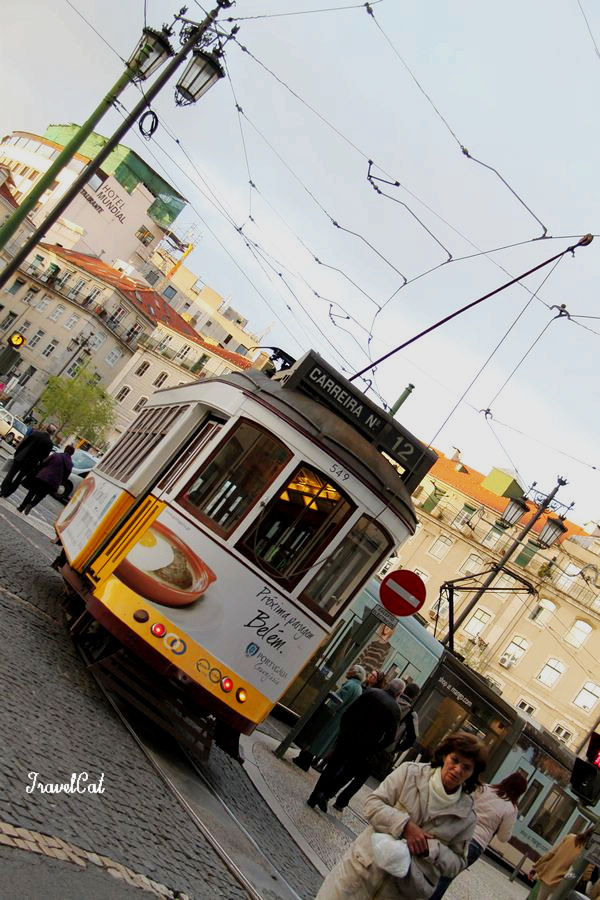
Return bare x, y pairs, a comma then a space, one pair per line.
154, 306
5, 192
468, 481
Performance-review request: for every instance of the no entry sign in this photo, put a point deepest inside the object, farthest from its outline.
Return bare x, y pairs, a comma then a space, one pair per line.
402, 592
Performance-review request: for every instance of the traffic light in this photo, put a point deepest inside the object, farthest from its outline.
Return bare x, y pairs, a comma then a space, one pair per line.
585, 777
16, 340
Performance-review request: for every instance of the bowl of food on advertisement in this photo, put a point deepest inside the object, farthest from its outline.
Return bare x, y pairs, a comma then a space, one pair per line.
162, 568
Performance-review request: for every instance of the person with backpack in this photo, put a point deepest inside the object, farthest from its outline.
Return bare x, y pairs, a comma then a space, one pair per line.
55, 470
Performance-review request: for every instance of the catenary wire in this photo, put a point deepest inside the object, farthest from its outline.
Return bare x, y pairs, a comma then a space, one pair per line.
302, 12
590, 32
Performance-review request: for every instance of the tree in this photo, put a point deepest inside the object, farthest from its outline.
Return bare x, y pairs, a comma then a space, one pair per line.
77, 405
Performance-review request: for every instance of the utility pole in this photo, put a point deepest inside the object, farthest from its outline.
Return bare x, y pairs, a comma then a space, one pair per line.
502, 562
193, 36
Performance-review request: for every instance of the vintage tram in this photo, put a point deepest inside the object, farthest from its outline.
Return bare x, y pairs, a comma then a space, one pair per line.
226, 531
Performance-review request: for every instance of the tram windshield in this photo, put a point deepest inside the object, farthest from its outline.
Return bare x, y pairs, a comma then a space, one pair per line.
296, 526
350, 564
232, 480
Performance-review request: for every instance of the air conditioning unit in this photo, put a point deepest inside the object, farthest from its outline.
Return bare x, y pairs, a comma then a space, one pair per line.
507, 660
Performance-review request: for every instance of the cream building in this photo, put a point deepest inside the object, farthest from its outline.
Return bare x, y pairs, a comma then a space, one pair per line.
540, 650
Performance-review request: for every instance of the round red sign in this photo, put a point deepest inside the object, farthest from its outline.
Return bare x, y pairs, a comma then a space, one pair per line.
402, 592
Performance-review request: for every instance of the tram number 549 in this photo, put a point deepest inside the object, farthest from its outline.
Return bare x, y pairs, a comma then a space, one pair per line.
339, 472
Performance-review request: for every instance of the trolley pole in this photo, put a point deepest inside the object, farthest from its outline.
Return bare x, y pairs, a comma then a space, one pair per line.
362, 637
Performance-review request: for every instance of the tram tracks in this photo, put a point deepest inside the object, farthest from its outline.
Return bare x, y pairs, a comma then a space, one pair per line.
188, 784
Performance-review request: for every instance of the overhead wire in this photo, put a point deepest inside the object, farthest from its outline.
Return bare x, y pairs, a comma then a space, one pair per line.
302, 12
590, 32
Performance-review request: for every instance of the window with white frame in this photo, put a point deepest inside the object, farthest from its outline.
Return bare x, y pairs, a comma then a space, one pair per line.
477, 622
423, 575
142, 368
43, 303
31, 296
95, 291
50, 348
113, 357
567, 579
551, 672
95, 341
140, 404
462, 517
56, 313
25, 326
122, 393
440, 546
518, 647
505, 584
183, 352
36, 338
439, 609
74, 367
71, 322
562, 734
543, 611
7, 321
494, 535
526, 707
578, 633
160, 379
472, 564
588, 696
77, 287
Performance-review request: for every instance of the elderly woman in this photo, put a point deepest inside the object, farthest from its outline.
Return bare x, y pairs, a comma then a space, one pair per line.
429, 806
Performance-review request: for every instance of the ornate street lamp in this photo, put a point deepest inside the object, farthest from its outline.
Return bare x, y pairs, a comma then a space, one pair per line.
552, 530
152, 51
515, 511
202, 71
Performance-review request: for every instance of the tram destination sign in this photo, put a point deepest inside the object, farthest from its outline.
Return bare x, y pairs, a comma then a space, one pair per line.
313, 376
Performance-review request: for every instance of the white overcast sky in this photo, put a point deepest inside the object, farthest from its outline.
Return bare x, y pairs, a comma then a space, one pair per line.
517, 83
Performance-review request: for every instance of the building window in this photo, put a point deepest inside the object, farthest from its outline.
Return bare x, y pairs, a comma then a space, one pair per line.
95, 341
423, 575
36, 338
477, 622
463, 516
122, 393
493, 536
7, 321
517, 648
440, 546
183, 352
74, 368
144, 235
439, 609
562, 734
527, 553
169, 292
152, 277
79, 284
95, 292
551, 672
526, 707
587, 696
142, 368
31, 295
432, 500
472, 564
50, 348
43, 303
506, 584
71, 322
578, 633
56, 313
25, 326
160, 380
566, 580
16, 286
140, 404
113, 357
542, 612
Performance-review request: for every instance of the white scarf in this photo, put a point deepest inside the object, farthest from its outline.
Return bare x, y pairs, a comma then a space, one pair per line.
439, 799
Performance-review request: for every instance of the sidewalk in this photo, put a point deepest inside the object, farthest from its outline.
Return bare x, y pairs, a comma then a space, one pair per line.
324, 838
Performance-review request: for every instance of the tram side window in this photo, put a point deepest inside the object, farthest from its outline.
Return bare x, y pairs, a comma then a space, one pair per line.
296, 526
553, 815
534, 789
351, 563
234, 477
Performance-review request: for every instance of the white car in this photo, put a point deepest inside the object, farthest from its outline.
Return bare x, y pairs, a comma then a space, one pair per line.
12, 430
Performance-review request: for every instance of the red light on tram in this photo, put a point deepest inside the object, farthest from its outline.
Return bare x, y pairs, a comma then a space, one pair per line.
241, 696
158, 630
226, 684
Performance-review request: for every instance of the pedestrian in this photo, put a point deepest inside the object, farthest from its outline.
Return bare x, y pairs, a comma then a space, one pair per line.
369, 724
427, 808
496, 810
27, 458
406, 735
551, 868
55, 471
325, 738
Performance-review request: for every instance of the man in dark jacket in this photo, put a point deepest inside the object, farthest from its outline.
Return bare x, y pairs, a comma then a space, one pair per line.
367, 726
28, 456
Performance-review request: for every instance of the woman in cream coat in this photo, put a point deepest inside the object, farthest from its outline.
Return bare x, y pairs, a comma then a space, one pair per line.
430, 806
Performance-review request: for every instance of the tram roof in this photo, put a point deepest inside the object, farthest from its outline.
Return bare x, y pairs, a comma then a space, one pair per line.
333, 433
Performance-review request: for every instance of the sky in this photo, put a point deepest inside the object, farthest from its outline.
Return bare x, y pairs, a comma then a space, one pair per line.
514, 84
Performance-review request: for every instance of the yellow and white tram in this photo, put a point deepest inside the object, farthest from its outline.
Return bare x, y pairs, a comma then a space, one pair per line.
225, 532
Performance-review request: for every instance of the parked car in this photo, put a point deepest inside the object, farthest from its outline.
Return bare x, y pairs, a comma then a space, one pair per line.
12, 430
83, 463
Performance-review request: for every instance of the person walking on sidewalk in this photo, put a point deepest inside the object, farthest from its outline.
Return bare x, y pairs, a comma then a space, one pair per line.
27, 458
350, 691
54, 472
369, 724
551, 868
496, 811
427, 809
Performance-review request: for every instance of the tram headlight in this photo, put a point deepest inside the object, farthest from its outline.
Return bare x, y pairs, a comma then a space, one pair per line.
240, 695
158, 630
226, 684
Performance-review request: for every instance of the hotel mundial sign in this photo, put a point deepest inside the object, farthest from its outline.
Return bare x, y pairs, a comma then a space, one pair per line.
314, 376
112, 201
